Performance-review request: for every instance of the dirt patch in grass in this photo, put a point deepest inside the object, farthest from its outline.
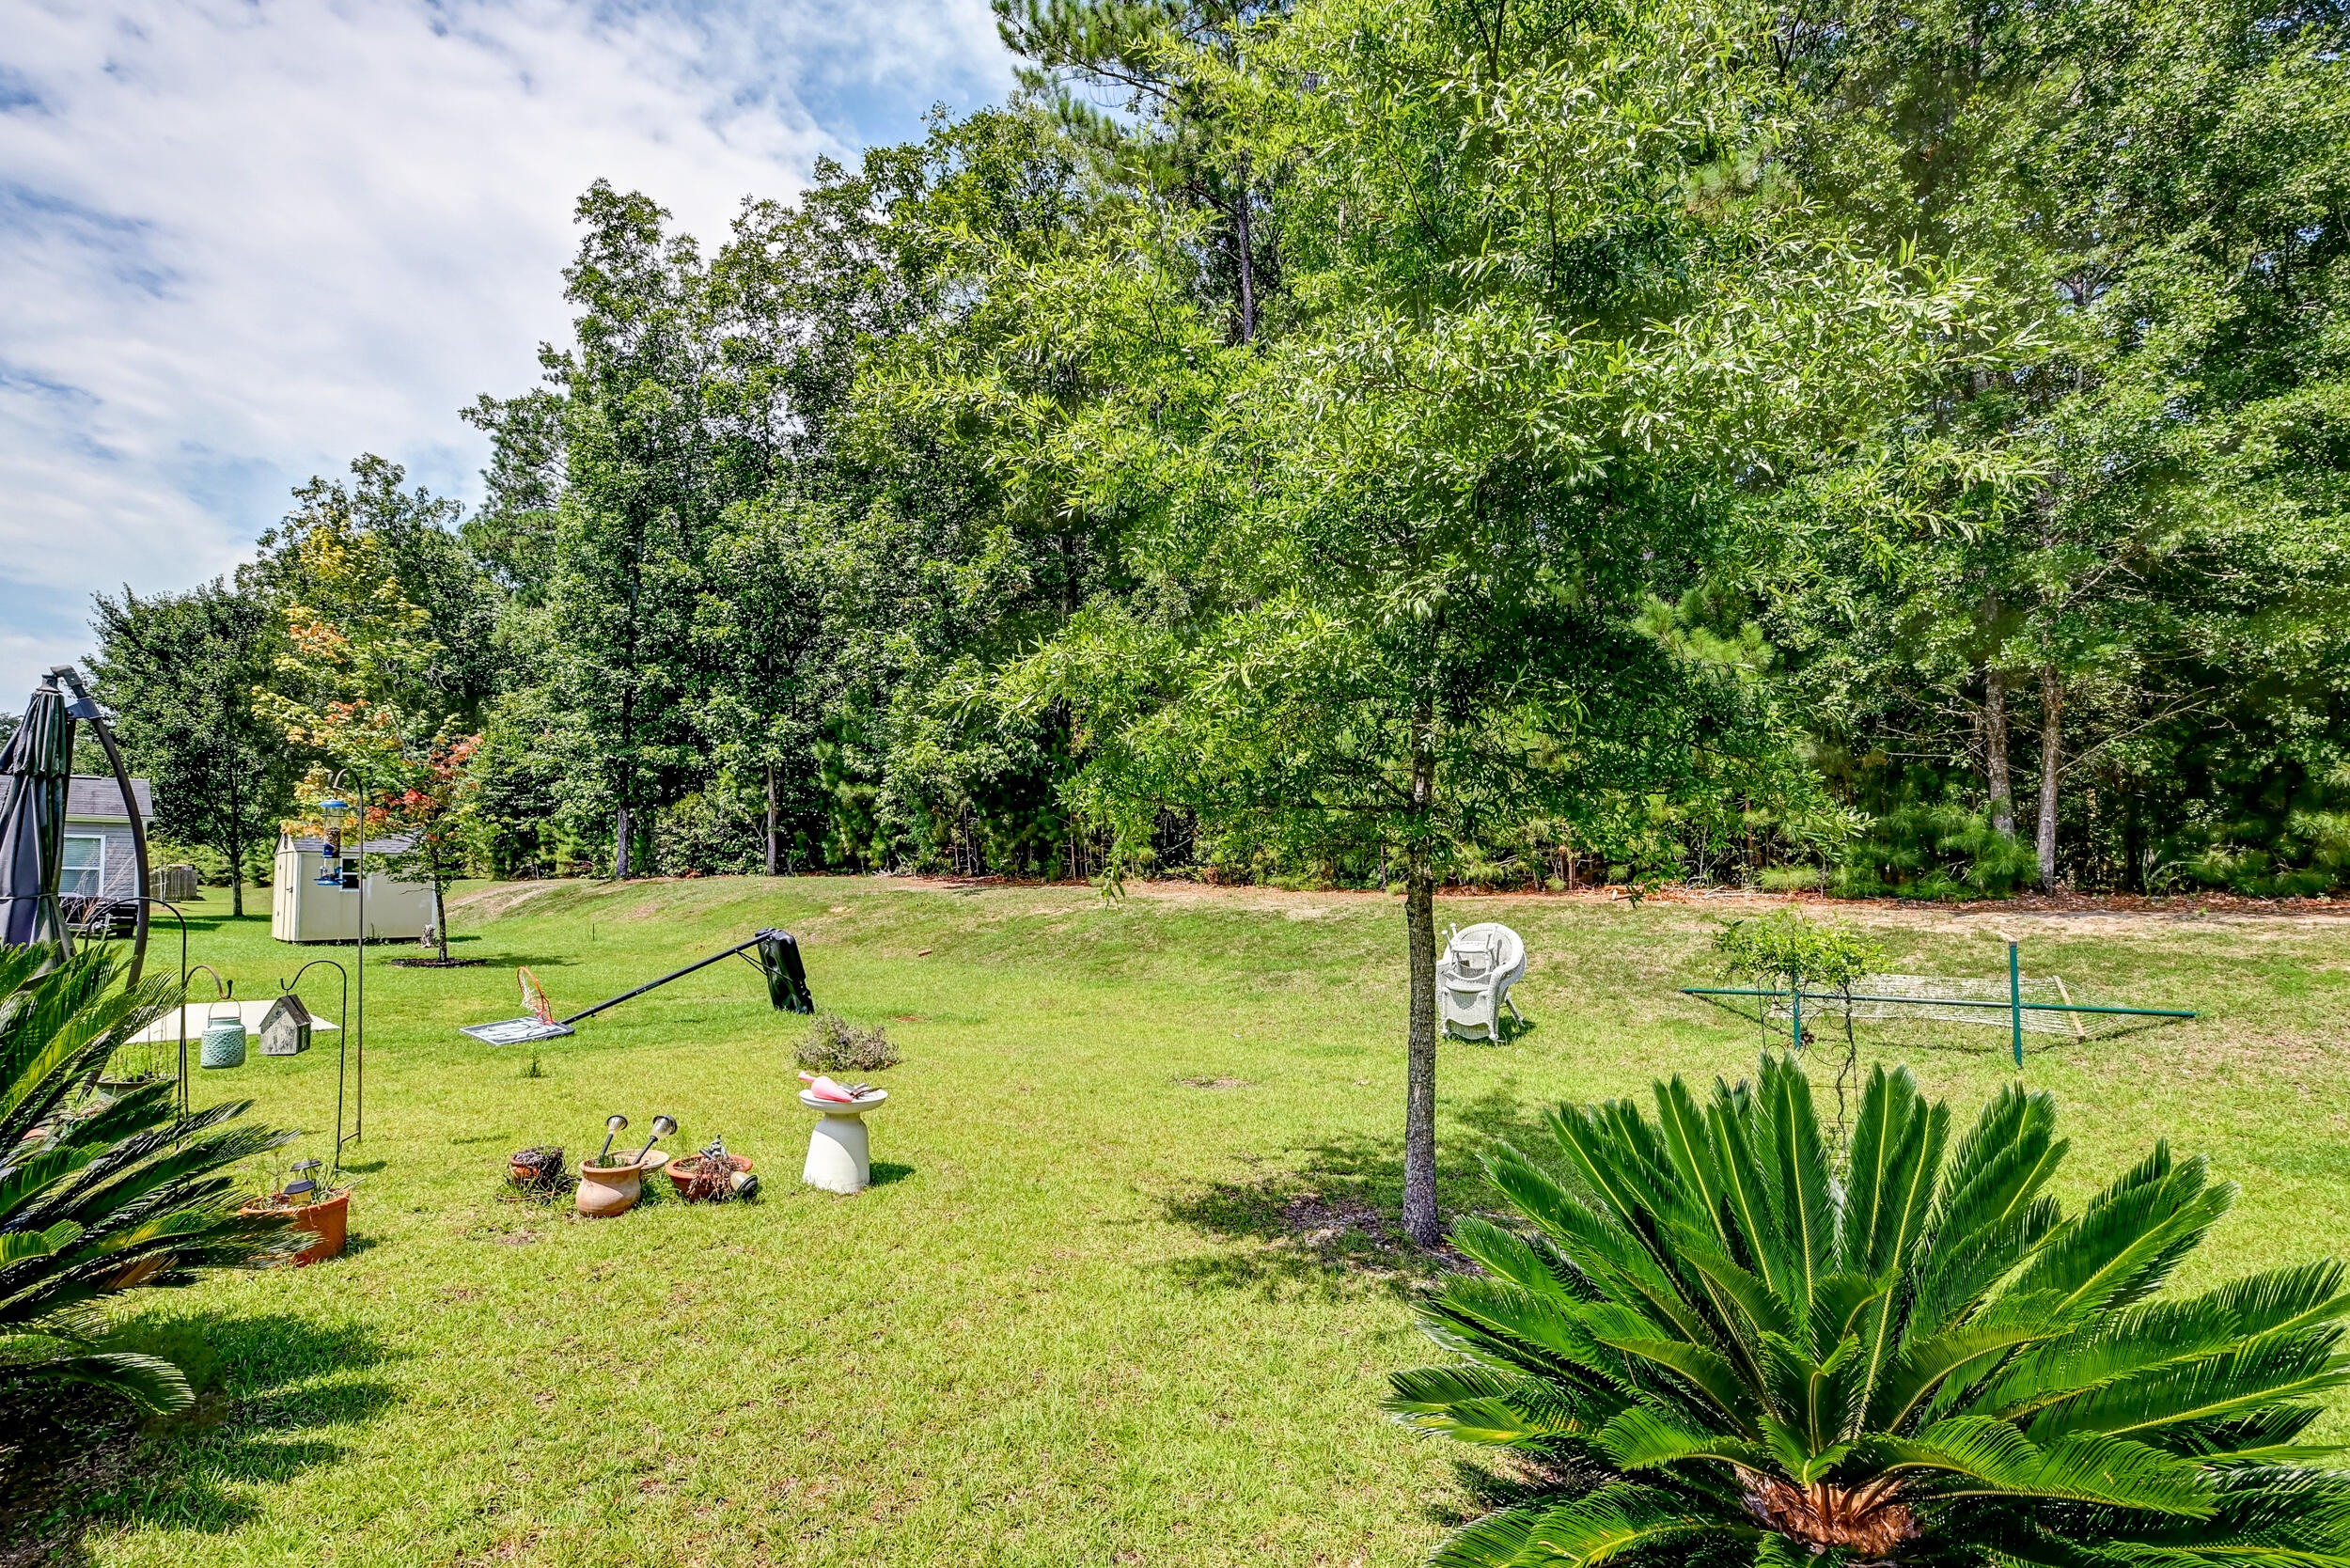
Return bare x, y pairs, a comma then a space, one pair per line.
1216, 1083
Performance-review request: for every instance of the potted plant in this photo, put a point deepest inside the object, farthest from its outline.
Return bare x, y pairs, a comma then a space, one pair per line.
326, 1215
611, 1183
535, 1169
714, 1176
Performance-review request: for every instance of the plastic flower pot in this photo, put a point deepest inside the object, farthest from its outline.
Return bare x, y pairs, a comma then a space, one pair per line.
607, 1190
328, 1219
697, 1182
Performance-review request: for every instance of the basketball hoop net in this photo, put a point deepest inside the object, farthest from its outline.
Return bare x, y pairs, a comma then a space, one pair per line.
535, 996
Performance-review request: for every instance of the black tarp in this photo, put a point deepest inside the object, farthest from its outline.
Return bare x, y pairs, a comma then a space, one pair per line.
36, 769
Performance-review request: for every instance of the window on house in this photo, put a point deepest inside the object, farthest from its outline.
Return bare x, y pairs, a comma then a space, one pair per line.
83, 874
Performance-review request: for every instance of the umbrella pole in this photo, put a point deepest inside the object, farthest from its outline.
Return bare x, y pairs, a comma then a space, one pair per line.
84, 707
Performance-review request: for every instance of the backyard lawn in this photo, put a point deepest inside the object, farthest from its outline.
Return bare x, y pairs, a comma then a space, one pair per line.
1126, 1289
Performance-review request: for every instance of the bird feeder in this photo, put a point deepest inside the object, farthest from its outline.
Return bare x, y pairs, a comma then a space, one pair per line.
331, 815
285, 1027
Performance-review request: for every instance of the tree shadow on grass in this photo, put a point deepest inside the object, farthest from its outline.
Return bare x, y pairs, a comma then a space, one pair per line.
1325, 1217
270, 1388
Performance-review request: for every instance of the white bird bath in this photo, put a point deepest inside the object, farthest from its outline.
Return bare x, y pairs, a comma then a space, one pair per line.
839, 1158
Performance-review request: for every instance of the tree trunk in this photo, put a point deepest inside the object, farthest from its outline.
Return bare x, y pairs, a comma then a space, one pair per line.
620, 843
1421, 1220
2051, 760
775, 856
1247, 262
1996, 776
236, 844
440, 908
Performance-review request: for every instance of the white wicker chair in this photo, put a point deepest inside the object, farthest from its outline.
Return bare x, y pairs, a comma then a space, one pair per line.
1473, 980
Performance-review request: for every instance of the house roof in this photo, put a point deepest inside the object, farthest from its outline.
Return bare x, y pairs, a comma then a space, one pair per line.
95, 797
99, 796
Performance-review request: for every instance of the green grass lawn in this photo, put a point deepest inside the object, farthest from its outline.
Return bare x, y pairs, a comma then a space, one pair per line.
1125, 1291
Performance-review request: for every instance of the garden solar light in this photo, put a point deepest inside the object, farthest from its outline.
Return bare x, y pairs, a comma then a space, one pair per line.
611, 1130
301, 1183
662, 1127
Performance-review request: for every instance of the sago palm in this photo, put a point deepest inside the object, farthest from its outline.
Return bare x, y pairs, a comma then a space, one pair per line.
1721, 1344
101, 1188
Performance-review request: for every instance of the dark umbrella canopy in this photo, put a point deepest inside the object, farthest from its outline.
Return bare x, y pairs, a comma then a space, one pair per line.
36, 769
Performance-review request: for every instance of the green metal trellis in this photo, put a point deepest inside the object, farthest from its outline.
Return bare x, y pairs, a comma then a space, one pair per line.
2014, 1005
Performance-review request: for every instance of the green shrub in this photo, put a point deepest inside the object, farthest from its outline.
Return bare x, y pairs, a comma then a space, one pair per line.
103, 1188
1725, 1345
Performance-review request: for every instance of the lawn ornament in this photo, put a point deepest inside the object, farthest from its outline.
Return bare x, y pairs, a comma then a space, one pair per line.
285, 1027
1473, 980
779, 959
224, 1037
825, 1088
714, 1175
839, 1156
662, 1127
613, 1127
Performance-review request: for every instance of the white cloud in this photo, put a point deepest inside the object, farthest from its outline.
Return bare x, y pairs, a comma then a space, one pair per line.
242, 243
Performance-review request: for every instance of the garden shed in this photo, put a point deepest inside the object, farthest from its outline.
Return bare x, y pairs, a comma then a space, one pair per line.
300, 910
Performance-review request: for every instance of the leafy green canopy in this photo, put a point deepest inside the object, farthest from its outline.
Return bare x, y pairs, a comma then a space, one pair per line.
99, 1190
1727, 1347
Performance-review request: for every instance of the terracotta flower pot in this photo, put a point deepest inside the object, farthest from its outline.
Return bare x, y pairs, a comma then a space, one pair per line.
328, 1219
608, 1190
695, 1185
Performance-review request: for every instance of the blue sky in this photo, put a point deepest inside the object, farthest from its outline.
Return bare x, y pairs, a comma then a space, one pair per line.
243, 242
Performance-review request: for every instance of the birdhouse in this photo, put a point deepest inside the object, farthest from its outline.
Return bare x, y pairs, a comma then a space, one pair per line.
285, 1027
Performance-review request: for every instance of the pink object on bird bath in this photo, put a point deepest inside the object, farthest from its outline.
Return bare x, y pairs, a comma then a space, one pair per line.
820, 1088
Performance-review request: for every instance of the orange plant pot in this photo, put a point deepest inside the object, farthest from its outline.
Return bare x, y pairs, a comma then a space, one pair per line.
328, 1219
689, 1179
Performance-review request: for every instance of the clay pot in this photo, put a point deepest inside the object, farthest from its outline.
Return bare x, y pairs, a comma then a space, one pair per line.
526, 1175
608, 1190
692, 1179
328, 1219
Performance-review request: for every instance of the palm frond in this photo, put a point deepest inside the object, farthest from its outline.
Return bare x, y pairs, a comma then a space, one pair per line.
1979, 1453
1617, 1521
2270, 1369
1911, 1356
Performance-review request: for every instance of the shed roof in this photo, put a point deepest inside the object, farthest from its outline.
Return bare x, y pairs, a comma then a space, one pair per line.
390, 843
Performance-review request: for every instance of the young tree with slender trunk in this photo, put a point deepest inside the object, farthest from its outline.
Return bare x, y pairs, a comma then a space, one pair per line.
1402, 552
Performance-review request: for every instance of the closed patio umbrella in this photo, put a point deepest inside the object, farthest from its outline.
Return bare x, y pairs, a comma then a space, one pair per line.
36, 769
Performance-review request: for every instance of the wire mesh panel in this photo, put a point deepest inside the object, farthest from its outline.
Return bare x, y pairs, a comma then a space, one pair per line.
1911, 998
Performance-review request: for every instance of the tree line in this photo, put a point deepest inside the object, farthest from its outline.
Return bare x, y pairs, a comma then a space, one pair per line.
1506, 441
